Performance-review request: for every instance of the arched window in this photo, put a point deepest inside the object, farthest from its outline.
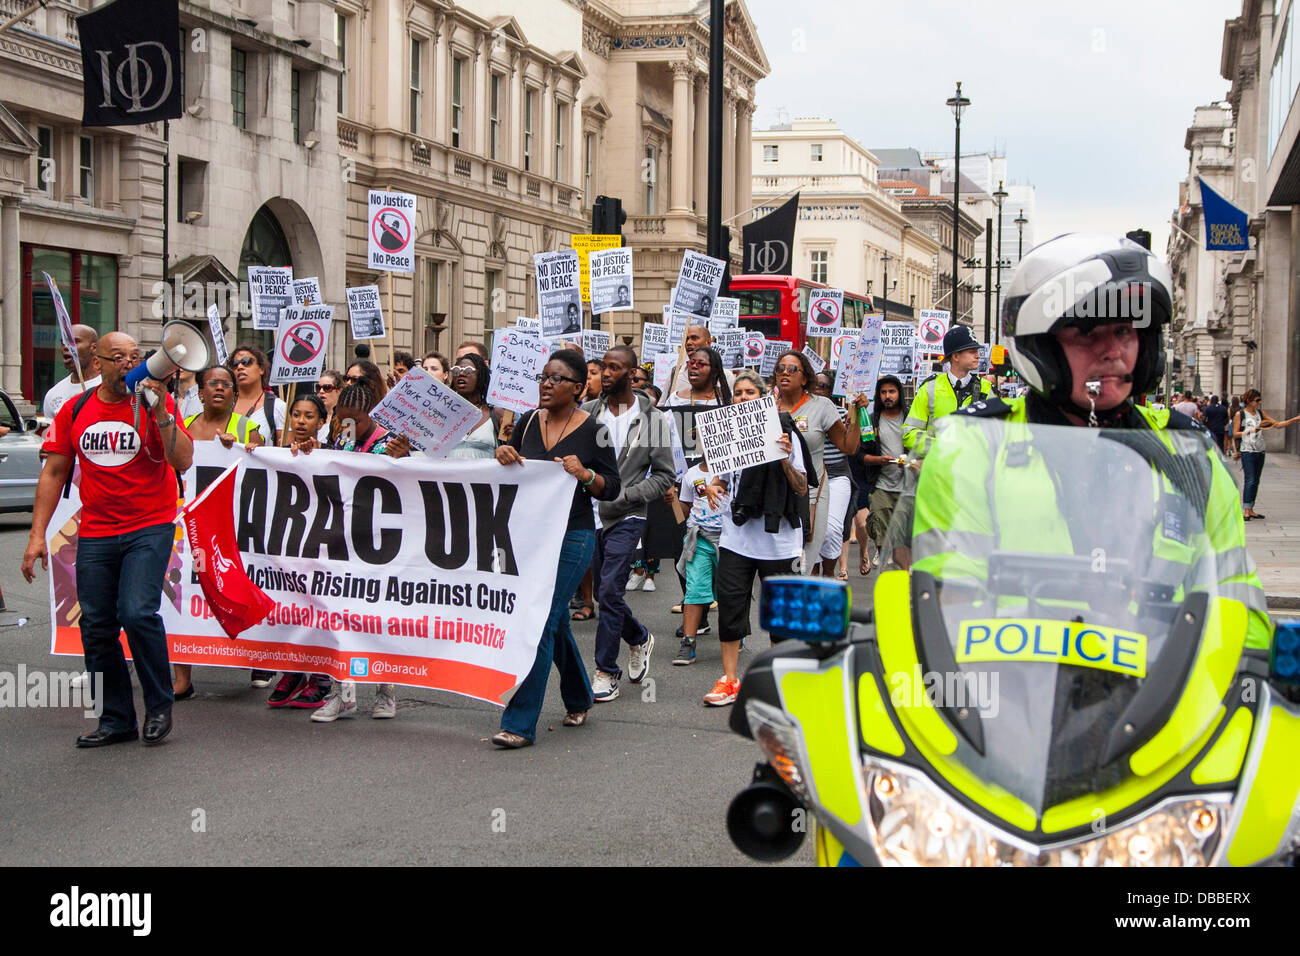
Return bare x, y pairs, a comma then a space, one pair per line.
264, 245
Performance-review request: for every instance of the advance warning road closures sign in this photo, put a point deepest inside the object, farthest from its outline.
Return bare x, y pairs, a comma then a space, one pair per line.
300, 344
392, 231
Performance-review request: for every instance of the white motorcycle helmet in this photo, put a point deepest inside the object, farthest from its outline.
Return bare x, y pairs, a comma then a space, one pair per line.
1084, 280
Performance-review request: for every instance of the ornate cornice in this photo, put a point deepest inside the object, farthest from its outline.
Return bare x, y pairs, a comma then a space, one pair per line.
68, 64
597, 42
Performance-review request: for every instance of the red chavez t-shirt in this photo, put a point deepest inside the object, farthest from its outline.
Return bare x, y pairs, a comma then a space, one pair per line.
126, 483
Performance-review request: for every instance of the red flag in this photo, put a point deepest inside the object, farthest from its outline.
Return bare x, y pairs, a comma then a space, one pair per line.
236, 602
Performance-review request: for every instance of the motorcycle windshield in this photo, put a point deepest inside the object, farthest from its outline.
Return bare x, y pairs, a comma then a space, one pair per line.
1071, 568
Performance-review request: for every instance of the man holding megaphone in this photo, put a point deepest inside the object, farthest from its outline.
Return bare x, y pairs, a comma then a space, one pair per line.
129, 449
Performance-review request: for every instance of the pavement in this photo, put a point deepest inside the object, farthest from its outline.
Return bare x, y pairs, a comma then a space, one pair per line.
1274, 542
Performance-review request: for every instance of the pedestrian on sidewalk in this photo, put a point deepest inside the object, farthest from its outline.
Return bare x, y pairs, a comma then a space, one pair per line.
761, 535
1250, 423
561, 431
642, 444
1215, 416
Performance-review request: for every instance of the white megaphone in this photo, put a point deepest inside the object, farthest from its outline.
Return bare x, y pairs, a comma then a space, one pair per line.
182, 347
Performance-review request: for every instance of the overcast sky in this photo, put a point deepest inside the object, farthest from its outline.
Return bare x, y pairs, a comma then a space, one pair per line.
1089, 102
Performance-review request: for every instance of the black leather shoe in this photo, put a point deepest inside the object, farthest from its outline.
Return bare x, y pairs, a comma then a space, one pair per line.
157, 726
102, 738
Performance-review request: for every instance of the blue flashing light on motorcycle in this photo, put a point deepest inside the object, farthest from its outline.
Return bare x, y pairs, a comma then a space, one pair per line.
812, 610
1285, 665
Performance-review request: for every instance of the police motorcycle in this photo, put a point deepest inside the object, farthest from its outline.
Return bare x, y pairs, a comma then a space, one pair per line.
1057, 682
1071, 662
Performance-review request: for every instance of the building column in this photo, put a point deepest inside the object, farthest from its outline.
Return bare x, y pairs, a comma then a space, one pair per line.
728, 154
701, 131
680, 200
744, 157
11, 326
440, 72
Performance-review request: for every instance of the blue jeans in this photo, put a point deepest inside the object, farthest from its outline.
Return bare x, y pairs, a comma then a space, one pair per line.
119, 584
1252, 463
556, 645
615, 549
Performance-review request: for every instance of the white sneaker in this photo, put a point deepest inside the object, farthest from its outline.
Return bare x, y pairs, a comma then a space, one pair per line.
638, 659
635, 580
341, 702
385, 703
604, 687
649, 584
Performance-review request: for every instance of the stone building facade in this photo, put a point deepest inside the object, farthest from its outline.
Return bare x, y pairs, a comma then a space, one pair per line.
505, 118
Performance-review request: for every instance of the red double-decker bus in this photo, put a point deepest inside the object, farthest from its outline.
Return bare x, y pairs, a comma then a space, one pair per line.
777, 306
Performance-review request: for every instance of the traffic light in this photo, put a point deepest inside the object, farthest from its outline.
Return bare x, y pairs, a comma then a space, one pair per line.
1141, 236
607, 216
999, 360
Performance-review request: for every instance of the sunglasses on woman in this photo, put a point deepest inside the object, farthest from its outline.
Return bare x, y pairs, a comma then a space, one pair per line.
322, 387
244, 362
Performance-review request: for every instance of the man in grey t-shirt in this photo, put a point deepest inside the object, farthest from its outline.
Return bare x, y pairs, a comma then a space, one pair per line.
889, 479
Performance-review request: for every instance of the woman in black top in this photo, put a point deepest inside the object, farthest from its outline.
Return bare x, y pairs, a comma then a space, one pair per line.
561, 431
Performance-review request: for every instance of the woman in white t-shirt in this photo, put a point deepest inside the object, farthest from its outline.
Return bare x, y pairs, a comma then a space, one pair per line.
1249, 422
745, 547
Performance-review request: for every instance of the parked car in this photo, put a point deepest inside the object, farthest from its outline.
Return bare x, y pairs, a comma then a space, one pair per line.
20, 458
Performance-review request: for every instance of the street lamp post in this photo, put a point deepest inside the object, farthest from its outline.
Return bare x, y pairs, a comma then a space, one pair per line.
957, 104
1020, 222
885, 260
1000, 196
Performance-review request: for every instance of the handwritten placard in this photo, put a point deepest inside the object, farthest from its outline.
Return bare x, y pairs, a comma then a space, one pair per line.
432, 417
517, 360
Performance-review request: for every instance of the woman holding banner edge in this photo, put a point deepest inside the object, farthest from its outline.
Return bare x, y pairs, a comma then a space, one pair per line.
561, 431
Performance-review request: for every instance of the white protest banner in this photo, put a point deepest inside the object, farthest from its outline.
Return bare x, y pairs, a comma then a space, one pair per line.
754, 346
698, 283
986, 352
307, 291
271, 288
736, 437
524, 324
611, 280
595, 344
64, 321
818, 363
365, 312
931, 327
391, 239
772, 348
517, 360
825, 311
838, 343
559, 299
726, 314
731, 343
428, 413
898, 345
866, 357
218, 331
429, 574
665, 362
300, 344
654, 339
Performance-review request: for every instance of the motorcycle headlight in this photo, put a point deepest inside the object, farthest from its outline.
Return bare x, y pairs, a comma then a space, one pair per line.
912, 823
782, 742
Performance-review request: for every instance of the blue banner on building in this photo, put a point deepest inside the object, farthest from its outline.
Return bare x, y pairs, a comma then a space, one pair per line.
1225, 224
